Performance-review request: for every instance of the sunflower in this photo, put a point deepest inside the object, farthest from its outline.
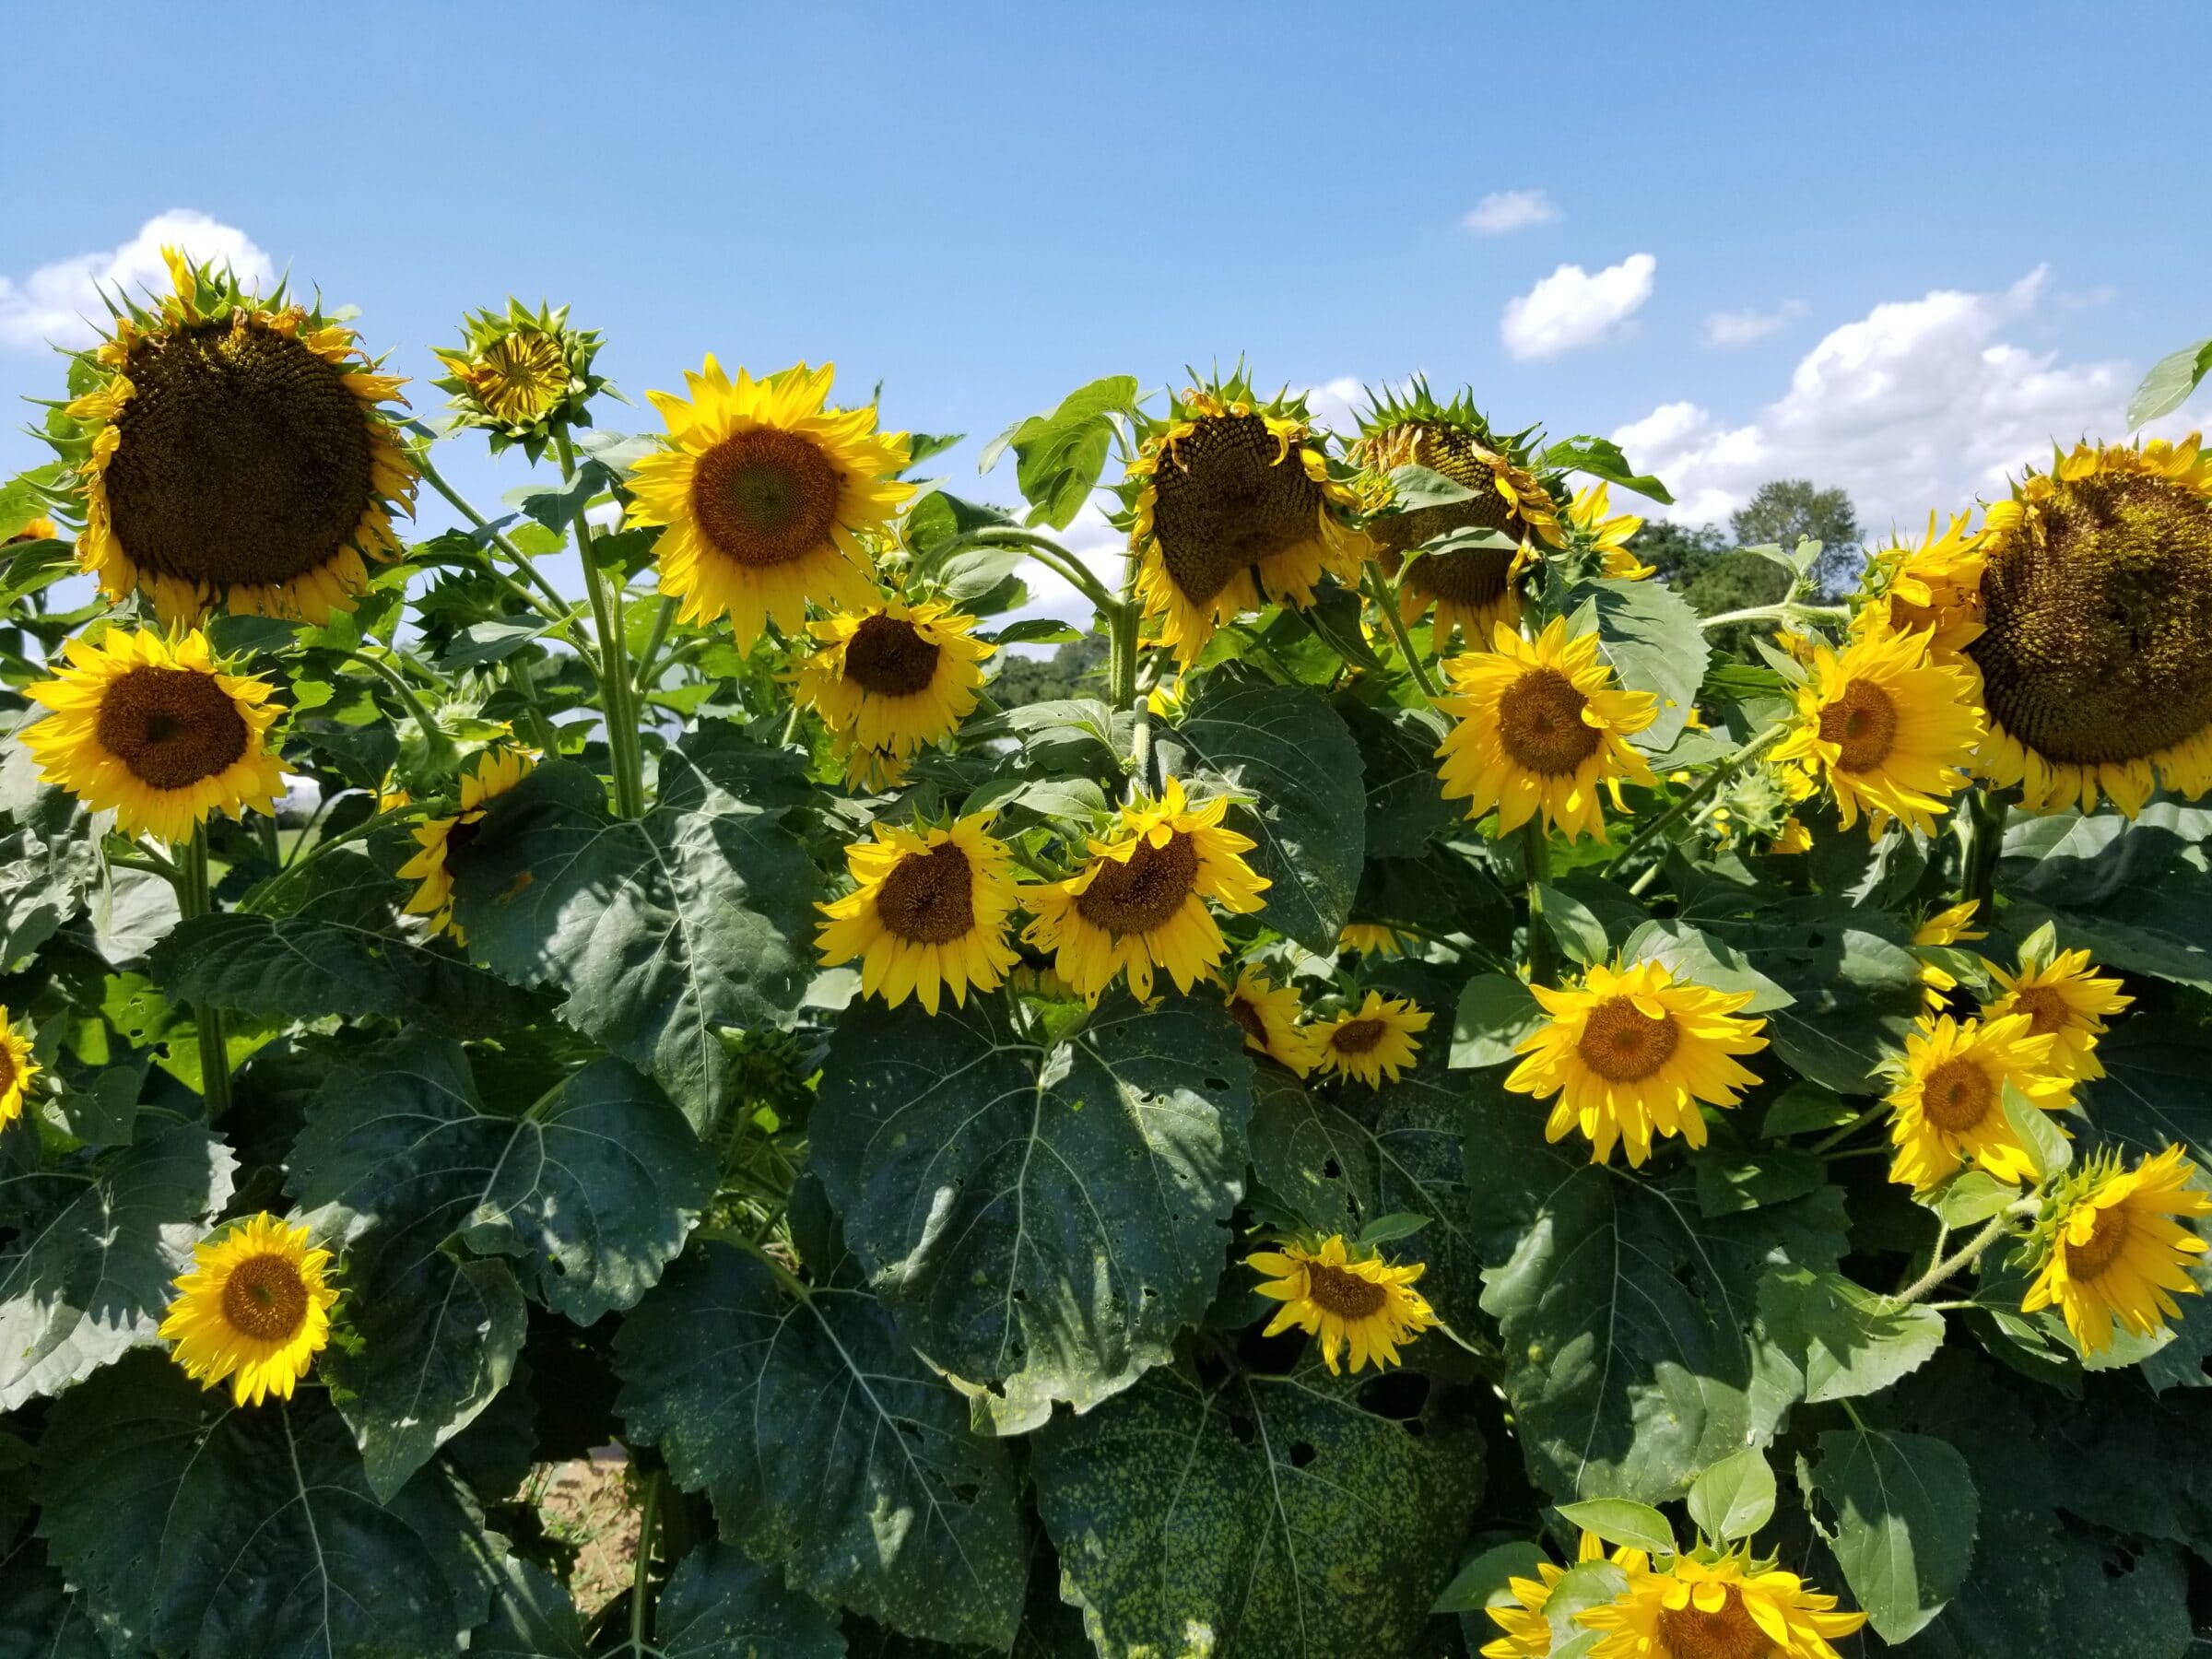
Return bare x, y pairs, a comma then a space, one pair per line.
1948, 1098
1889, 729
2120, 1247
1372, 939
1791, 839
1607, 537
1946, 927
765, 494
1364, 1304
2065, 1000
237, 455
497, 770
157, 729
1934, 588
34, 529
1232, 499
1140, 901
17, 1070
1374, 1039
1270, 1015
1473, 589
1727, 1608
2096, 648
930, 912
1527, 1631
892, 678
520, 372
254, 1308
1539, 724
1631, 1051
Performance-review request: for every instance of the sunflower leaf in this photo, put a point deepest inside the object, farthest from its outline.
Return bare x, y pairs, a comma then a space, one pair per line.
1653, 642
1735, 1498
2167, 385
1413, 487
1620, 1521
1487, 1581
1904, 1511
1846, 1341
810, 1424
716, 1603
1601, 458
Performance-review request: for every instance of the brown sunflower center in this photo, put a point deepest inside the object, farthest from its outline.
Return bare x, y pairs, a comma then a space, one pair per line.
1623, 1044
888, 656
1863, 724
1957, 1095
265, 1298
2107, 1236
1540, 723
7, 1068
1227, 496
1472, 578
1343, 1292
1727, 1632
2097, 643
766, 497
2045, 1008
1146, 891
243, 458
171, 726
1456, 455
1357, 1036
1240, 1010
929, 898
519, 378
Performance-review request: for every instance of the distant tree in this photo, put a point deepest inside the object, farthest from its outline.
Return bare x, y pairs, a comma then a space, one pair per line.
1678, 552
1788, 511
1076, 669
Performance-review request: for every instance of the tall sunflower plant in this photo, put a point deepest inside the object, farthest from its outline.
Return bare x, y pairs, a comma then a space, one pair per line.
1396, 1118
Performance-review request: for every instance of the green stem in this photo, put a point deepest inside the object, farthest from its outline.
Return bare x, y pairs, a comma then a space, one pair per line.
259, 902
1711, 781
1785, 612
195, 899
522, 561
625, 755
1044, 550
641, 1599
1985, 815
1966, 1256
649, 664
405, 693
1543, 950
1385, 602
1852, 1128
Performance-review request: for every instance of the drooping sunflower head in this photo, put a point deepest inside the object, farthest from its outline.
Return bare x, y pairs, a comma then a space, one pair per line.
1728, 1608
519, 373
2096, 646
1473, 589
893, 677
766, 493
2117, 1246
1372, 938
494, 773
1376, 1040
1887, 728
157, 729
1232, 500
1940, 932
1947, 1098
17, 1070
1933, 588
254, 1308
929, 913
1539, 724
1349, 1301
1631, 1051
2065, 999
238, 455
1140, 901
1271, 1016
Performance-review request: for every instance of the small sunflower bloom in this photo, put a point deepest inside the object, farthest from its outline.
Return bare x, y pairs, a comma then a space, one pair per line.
892, 679
1631, 1051
1792, 839
1363, 1304
34, 529
254, 1309
1271, 1017
1946, 927
1609, 536
18, 1071
1721, 1609
1948, 1098
1538, 725
157, 729
495, 772
929, 915
2066, 1000
1140, 901
1933, 589
2121, 1248
1527, 1631
1372, 939
1375, 1041
765, 493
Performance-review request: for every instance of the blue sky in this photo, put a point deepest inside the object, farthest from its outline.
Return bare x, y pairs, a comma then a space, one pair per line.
1946, 234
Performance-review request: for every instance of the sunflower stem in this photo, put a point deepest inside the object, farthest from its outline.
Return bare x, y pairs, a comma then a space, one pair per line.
432, 730
1386, 602
1985, 820
649, 664
625, 754
1852, 1128
1705, 787
461, 505
1786, 612
1966, 1255
1543, 950
1042, 549
640, 1598
195, 898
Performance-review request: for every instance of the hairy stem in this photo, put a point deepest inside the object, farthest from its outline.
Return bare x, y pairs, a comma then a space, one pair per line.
1543, 950
625, 754
1970, 1253
195, 899
1711, 781
1386, 602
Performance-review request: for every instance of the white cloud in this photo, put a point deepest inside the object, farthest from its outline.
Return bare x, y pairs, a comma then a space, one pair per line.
1504, 211
1731, 329
1571, 308
1920, 404
59, 304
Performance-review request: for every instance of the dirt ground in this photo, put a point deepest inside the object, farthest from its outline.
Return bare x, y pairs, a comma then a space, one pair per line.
588, 1504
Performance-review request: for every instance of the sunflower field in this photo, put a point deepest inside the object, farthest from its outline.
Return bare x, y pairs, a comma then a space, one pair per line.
1433, 1112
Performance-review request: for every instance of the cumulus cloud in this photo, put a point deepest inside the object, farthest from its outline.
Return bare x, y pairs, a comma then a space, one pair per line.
59, 304
1572, 309
1920, 404
1731, 329
1504, 211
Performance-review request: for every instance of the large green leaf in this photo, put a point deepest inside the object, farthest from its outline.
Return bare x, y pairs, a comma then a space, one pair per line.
2159, 929
41, 1617
1059, 456
2066, 859
1291, 752
1263, 1517
47, 859
1405, 804
1044, 1219
2153, 1092
1628, 1313
340, 953
1654, 643
89, 1250
1904, 1513
827, 1444
664, 929
2171, 380
716, 1605
1845, 1340
188, 1526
